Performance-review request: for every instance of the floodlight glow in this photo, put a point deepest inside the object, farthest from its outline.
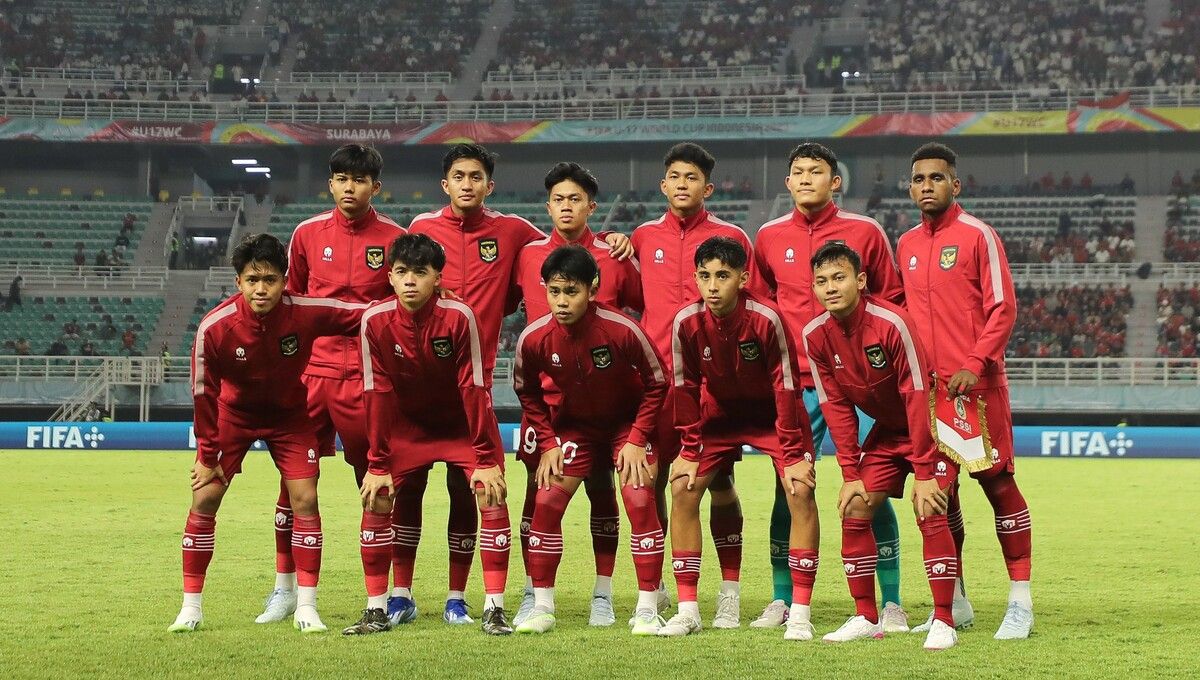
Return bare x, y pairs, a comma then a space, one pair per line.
261, 171
244, 161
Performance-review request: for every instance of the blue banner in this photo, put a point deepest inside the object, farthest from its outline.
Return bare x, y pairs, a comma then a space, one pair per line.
1057, 442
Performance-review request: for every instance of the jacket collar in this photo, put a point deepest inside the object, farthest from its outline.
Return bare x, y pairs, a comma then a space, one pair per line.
942, 221
684, 224
353, 225
585, 238
467, 222
579, 328
419, 317
852, 322
733, 320
269, 319
817, 219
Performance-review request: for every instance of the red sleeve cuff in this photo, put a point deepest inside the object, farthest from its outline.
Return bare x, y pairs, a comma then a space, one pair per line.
637, 437
975, 366
850, 473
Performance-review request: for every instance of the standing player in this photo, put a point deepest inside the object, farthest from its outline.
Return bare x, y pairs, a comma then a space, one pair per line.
427, 401
665, 249
247, 361
608, 387
783, 248
571, 201
336, 254
735, 384
864, 354
960, 292
481, 248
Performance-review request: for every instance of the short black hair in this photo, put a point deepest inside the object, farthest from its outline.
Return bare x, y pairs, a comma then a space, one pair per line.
937, 151
689, 152
575, 173
816, 151
417, 250
475, 151
722, 248
263, 248
834, 251
572, 262
356, 159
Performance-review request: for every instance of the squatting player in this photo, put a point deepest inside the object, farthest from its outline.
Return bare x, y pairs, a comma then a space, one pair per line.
571, 200
428, 401
864, 354
247, 361
665, 249
735, 377
336, 254
959, 291
609, 387
782, 249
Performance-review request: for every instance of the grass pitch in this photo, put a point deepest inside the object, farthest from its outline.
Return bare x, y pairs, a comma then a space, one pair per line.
90, 579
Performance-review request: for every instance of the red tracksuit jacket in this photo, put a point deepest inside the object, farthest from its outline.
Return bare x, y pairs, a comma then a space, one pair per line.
620, 282
246, 368
959, 292
739, 369
783, 248
481, 264
665, 249
872, 361
330, 256
610, 378
424, 378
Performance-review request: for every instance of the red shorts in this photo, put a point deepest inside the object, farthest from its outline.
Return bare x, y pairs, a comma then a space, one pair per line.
887, 460
583, 452
999, 422
723, 446
336, 407
412, 455
666, 437
293, 447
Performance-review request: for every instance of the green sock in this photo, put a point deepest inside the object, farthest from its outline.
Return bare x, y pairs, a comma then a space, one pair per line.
887, 542
781, 528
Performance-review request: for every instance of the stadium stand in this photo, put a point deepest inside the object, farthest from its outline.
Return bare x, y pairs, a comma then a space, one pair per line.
1182, 237
83, 324
1179, 321
1071, 321
97, 233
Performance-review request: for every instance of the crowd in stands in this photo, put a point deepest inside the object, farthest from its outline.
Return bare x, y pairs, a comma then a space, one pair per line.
1070, 321
1182, 238
1178, 321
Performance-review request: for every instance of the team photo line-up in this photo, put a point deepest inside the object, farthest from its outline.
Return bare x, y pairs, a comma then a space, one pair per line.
657, 356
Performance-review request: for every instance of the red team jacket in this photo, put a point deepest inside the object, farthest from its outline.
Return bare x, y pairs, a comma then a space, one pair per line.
872, 361
737, 370
959, 292
330, 256
481, 259
246, 369
424, 381
620, 281
665, 249
784, 247
610, 378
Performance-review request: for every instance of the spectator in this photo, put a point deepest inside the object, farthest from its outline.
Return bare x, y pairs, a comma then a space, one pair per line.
128, 340
71, 330
88, 349
22, 347
58, 348
14, 293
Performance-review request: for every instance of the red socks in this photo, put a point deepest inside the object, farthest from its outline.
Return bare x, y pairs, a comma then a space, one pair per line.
803, 564
545, 536
406, 526
858, 559
686, 564
941, 565
199, 536
495, 535
306, 550
527, 523
646, 539
461, 528
283, 532
725, 523
375, 540
606, 524
1012, 524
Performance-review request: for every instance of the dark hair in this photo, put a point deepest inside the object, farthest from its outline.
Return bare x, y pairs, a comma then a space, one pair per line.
575, 173
691, 153
263, 248
817, 151
475, 151
936, 151
722, 248
572, 262
417, 250
356, 159
834, 251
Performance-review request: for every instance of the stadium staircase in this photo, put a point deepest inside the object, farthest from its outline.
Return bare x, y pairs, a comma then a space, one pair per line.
180, 297
152, 248
470, 78
1151, 220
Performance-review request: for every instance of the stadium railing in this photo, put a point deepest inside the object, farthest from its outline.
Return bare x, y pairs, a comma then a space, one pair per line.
354, 78
89, 277
1109, 372
128, 370
726, 106
598, 76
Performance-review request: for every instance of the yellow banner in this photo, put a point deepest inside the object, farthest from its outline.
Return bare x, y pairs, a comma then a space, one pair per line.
1018, 123
1185, 118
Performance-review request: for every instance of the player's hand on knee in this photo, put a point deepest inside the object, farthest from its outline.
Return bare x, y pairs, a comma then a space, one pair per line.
550, 467
685, 469
632, 466
802, 472
372, 487
202, 475
929, 499
492, 481
619, 246
850, 491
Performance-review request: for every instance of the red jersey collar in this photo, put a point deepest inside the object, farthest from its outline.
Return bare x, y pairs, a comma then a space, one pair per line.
580, 327
817, 219
852, 322
418, 317
585, 238
944, 220
353, 225
687, 223
264, 320
728, 323
467, 222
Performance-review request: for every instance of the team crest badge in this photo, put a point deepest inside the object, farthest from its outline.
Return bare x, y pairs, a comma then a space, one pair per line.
443, 347
959, 409
489, 249
601, 356
949, 257
375, 257
289, 344
750, 350
875, 356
